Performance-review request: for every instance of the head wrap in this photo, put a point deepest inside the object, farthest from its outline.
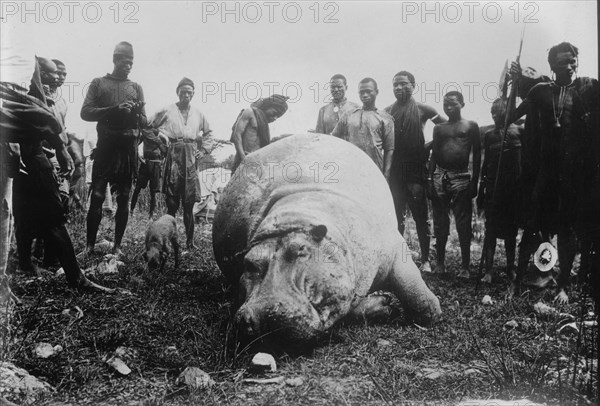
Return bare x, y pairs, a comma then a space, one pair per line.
277, 101
185, 82
123, 48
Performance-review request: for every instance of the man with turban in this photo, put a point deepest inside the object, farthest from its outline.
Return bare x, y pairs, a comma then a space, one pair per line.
117, 104
251, 129
185, 127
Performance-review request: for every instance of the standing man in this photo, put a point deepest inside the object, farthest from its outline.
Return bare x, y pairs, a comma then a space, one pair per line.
369, 129
250, 131
569, 116
185, 127
450, 183
499, 189
27, 120
409, 167
330, 114
117, 104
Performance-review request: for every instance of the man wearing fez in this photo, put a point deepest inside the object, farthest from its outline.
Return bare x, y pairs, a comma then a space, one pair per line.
329, 115
185, 127
251, 129
117, 104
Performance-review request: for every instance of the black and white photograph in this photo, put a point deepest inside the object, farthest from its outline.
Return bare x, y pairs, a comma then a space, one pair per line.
299, 203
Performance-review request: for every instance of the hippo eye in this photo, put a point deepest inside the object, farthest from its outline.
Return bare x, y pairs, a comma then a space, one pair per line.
253, 268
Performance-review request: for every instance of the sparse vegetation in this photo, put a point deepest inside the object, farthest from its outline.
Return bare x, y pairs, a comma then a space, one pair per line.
183, 318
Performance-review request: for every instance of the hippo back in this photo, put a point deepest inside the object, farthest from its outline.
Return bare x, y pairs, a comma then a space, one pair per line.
348, 179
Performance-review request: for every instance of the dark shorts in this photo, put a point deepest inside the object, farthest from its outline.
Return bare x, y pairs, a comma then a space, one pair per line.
150, 173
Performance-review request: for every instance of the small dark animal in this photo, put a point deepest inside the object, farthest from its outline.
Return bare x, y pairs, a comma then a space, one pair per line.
161, 239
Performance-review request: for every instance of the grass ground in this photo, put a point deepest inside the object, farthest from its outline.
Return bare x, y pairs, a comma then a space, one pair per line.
181, 318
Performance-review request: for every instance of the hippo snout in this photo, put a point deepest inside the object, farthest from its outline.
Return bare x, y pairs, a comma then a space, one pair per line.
279, 322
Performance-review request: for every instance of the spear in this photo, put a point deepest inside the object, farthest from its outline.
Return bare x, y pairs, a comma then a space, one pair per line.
509, 106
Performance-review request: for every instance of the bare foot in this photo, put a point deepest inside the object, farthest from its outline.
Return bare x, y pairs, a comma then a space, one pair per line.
87, 285
487, 278
191, 246
116, 251
562, 298
464, 273
512, 290
440, 268
426, 267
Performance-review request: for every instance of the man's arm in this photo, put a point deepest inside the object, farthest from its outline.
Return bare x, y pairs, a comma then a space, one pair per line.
432, 163
341, 129
90, 111
142, 118
320, 127
388, 146
476, 143
238, 132
484, 170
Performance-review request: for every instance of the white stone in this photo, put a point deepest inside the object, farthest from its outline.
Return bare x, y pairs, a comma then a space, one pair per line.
194, 378
487, 300
264, 362
45, 350
118, 364
294, 381
569, 328
383, 343
511, 324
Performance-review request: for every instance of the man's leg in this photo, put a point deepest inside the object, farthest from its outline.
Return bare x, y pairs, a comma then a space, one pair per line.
418, 207
136, 192
94, 216
463, 213
152, 203
59, 238
489, 242
398, 190
188, 222
172, 204
567, 247
510, 244
122, 215
441, 226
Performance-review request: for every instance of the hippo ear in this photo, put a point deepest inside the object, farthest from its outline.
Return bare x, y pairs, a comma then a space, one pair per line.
318, 232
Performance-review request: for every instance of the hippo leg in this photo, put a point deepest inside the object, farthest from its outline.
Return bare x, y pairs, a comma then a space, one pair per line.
406, 283
371, 308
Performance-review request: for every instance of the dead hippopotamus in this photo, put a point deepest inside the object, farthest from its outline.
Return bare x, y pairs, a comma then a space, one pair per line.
304, 231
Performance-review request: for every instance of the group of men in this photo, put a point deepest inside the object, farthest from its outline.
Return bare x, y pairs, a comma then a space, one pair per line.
543, 177
553, 161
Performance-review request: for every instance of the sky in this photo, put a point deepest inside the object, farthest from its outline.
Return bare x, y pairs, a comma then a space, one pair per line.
236, 52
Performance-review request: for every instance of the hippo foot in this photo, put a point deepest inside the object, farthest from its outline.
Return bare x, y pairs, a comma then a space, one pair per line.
373, 308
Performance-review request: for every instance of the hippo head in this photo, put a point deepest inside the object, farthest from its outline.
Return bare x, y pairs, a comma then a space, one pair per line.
295, 286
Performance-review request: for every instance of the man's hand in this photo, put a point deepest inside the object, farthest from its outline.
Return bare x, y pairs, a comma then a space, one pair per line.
198, 154
515, 69
125, 106
67, 167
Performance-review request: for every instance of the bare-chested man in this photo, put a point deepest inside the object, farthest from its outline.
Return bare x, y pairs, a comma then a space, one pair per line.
251, 129
330, 114
451, 184
409, 167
